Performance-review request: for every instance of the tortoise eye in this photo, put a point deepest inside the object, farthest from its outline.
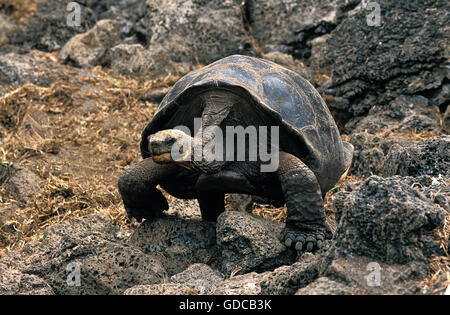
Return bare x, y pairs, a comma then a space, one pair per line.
171, 142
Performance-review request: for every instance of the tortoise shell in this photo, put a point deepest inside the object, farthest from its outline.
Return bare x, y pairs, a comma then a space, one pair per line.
290, 100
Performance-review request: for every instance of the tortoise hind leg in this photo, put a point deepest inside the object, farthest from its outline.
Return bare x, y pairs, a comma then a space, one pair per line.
305, 223
211, 205
137, 186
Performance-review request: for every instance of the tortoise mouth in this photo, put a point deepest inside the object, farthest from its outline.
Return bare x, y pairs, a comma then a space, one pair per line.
163, 158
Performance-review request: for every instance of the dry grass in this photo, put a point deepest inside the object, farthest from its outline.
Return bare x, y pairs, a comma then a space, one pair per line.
77, 135
413, 135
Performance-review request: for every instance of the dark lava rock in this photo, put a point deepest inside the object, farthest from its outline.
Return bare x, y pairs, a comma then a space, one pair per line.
446, 120
23, 185
250, 243
427, 157
200, 278
290, 26
407, 54
47, 29
91, 48
388, 220
388, 156
288, 279
325, 286
22, 69
360, 275
134, 60
90, 247
178, 243
405, 114
159, 289
13, 282
195, 30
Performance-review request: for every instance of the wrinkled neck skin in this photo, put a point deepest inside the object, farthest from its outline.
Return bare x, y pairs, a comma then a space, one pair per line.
218, 105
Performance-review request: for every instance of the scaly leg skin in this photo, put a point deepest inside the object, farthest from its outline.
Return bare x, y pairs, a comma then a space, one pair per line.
305, 223
137, 186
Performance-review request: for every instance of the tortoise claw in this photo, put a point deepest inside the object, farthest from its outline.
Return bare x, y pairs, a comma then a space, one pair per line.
308, 241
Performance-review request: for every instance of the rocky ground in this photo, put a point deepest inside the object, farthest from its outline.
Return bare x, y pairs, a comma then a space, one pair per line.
74, 99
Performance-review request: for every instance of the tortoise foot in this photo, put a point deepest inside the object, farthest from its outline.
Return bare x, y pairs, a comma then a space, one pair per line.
142, 213
302, 241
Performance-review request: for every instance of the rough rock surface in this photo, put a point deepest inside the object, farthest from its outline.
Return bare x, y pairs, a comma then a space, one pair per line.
190, 31
21, 69
91, 245
177, 243
91, 48
159, 289
23, 185
405, 114
55, 31
289, 26
6, 27
399, 156
250, 243
403, 55
388, 220
360, 275
134, 60
325, 286
52, 34
427, 157
200, 278
13, 282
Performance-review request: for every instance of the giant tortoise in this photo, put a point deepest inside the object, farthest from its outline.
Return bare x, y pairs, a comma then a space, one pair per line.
231, 92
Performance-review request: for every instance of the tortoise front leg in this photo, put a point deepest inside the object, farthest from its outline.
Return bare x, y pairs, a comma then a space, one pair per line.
212, 204
137, 186
305, 223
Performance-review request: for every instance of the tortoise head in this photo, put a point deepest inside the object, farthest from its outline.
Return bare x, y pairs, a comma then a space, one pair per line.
170, 146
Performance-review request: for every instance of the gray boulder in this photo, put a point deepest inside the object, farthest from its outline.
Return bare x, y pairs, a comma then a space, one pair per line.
250, 243
85, 255
200, 278
134, 60
362, 276
388, 156
403, 55
326, 286
194, 30
389, 220
47, 29
22, 69
13, 282
23, 185
290, 26
405, 114
178, 243
91, 48
427, 157
159, 289
283, 280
